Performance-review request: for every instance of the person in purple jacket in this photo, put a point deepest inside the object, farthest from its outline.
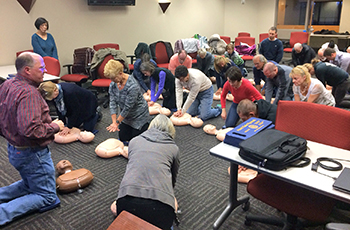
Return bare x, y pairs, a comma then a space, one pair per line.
166, 84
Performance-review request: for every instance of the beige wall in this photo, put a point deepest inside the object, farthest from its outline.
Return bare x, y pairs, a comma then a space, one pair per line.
75, 24
345, 17
255, 17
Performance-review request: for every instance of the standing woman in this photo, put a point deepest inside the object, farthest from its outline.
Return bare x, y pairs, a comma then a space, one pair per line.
147, 188
43, 42
125, 93
166, 84
309, 89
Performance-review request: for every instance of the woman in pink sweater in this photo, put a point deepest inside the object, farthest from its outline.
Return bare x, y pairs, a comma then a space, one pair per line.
241, 89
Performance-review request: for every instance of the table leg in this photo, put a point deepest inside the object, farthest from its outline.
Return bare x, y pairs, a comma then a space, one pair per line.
233, 200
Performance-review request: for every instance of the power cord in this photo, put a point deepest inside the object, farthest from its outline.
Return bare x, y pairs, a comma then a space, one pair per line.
338, 166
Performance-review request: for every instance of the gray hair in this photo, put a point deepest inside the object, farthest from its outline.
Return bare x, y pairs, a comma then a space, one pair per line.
147, 66
23, 60
261, 58
164, 124
298, 45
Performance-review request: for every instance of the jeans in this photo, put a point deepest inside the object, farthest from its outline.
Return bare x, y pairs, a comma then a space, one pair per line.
232, 116
201, 106
37, 188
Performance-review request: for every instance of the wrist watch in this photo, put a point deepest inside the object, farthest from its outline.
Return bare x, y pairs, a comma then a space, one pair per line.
118, 122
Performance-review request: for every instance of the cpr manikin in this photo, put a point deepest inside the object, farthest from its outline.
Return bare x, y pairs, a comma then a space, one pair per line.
158, 109
72, 180
244, 174
110, 148
187, 119
74, 134
220, 134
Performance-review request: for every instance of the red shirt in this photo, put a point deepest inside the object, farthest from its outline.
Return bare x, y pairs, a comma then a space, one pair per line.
245, 91
25, 119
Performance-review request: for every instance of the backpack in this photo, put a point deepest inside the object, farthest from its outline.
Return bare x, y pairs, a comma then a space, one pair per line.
275, 150
81, 60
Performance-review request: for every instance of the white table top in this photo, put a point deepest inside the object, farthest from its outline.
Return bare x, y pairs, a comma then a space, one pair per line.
11, 69
303, 177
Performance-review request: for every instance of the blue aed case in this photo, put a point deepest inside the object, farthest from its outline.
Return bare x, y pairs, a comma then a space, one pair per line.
247, 129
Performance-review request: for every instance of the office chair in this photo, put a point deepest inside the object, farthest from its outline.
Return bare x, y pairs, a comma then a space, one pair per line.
100, 80
243, 34
263, 36
52, 66
248, 40
227, 39
295, 37
79, 71
319, 123
19, 52
161, 52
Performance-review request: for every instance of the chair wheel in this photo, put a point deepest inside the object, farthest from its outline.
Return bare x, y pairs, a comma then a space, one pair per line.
247, 223
246, 206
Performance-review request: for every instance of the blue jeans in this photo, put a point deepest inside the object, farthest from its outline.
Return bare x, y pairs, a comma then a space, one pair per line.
201, 106
37, 188
232, 116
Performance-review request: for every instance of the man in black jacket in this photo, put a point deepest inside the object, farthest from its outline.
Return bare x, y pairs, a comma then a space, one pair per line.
302, 54
260, 108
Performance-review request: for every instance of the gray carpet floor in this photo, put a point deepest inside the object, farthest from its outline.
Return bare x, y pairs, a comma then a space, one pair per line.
201, 189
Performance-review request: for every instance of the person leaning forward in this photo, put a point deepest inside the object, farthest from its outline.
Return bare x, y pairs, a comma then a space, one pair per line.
28, 128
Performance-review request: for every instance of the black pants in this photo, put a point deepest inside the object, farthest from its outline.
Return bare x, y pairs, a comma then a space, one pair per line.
152, 211
127, 132
169, 100
339, 93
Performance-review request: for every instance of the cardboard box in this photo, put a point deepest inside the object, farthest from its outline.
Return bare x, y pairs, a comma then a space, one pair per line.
247, 129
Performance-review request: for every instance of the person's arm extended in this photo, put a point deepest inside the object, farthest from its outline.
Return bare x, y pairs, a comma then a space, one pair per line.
268, 89
162, 78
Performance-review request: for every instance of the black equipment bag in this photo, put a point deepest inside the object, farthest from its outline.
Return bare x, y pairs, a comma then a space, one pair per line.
275, 150
82, 59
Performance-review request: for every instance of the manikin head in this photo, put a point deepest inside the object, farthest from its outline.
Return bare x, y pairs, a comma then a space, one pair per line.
64, 166
86, 136
196, 122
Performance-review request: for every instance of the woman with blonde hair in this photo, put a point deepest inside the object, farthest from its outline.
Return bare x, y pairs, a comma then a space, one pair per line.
221, 65
125, 93
309, 89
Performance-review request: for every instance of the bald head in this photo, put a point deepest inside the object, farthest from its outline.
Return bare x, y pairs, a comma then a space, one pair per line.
298, 47
31, 66
270, 70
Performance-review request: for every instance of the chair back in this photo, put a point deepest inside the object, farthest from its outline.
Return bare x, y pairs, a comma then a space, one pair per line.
315, 122
52, 66
263, 36
106, 45
161, 54
19, 52
101, 67
296, 37
227, 39
243, 34
248, 40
